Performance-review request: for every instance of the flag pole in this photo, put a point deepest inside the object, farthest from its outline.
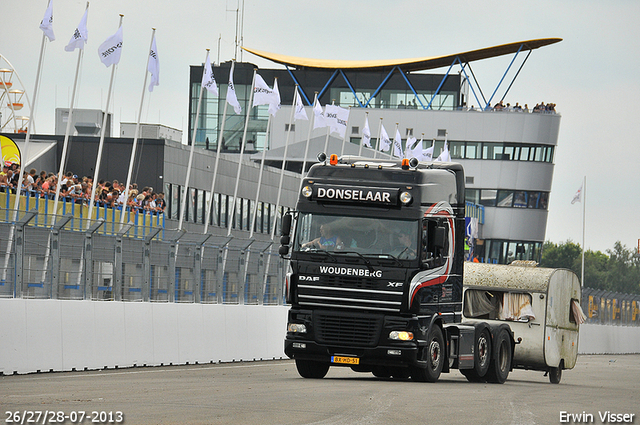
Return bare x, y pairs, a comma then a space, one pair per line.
346, 133
306, 148
23, 162
244, 137
65, 144
375, 153
326, 141
215, 167
137, 132
584, 208
101, 144
366, 121
183, 204
254, 213
284, 162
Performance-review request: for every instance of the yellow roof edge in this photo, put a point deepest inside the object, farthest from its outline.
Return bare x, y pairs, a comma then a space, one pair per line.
414, 64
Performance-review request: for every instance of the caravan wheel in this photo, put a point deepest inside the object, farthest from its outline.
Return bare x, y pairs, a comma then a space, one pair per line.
555, 373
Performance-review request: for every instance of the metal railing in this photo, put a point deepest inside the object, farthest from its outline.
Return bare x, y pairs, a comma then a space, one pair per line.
69, 257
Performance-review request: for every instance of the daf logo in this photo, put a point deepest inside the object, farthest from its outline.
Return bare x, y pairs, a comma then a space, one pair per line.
394, 284
309, 278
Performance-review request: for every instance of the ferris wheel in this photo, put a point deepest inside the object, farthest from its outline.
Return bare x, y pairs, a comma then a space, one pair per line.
13, 100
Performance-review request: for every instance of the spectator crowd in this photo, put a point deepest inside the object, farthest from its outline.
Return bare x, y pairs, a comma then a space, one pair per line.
109, 194
541, 107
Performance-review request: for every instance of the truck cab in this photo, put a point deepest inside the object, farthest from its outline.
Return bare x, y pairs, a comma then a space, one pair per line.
376, 270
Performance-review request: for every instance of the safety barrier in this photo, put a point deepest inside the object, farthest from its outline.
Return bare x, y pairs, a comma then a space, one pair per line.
611, 308
73, 258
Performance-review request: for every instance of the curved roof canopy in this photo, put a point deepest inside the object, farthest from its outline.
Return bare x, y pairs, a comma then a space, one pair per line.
416, 64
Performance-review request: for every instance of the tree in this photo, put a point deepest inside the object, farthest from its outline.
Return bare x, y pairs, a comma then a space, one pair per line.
618, 270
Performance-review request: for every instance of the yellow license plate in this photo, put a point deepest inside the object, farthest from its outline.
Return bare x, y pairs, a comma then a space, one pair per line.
345, 360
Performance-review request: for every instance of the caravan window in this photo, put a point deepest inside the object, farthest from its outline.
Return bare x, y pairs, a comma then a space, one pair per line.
498, 305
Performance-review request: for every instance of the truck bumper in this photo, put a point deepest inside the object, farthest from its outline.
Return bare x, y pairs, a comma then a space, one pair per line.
397, 355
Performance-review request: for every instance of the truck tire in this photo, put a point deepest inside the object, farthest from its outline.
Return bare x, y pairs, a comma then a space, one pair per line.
555, 373
481, 357
501, 359
434, 355
311, 369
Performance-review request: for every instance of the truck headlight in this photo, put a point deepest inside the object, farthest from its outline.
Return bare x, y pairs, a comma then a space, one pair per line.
405, 197
401, 335
297, 328
306, 192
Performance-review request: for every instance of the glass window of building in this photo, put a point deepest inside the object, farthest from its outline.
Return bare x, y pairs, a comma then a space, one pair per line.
488, 197
520, 199
505, 198
472, 150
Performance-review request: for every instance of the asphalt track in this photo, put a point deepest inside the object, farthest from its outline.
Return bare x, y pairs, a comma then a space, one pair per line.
271, 392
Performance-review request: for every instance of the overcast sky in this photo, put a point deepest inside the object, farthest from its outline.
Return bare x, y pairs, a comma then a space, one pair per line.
591, 75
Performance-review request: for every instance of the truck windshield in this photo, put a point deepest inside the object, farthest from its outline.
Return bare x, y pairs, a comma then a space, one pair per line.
362, 235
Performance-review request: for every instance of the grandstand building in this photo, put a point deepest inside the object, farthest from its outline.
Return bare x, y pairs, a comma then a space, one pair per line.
507, 152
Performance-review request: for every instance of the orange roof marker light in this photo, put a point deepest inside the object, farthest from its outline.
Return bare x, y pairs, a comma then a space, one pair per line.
333, 159
405, 164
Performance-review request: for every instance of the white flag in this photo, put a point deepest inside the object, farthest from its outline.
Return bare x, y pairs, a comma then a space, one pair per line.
414, 150
47, 22
336, 118
208, 80
80, 35
397, 145
274, 106
231, 93
111, 49
427, 154
300, 114
578, 196
154, 65
318, 121
444, 156
262, 93
366, 134
385, 142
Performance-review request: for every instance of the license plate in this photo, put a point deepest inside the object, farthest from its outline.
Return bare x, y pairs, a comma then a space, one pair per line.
345, 360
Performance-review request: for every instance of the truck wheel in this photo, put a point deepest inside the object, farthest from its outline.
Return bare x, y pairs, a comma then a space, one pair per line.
555, 373
501, 361
481, 357
482, 353
434, 355
311, 369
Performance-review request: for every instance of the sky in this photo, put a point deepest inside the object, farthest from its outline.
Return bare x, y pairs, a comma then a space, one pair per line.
591, 75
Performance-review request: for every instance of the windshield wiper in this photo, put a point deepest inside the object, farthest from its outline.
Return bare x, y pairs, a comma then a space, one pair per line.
391, 257
366, 261
319, 251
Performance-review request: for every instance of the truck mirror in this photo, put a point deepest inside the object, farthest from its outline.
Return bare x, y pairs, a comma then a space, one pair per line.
284, 250
285, 240
439, 237
286, 225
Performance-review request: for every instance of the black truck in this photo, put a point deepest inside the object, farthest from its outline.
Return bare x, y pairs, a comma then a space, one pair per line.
375, 277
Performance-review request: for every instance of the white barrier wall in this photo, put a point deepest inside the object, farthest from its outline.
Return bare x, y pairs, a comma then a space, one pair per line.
59, 335
607, 339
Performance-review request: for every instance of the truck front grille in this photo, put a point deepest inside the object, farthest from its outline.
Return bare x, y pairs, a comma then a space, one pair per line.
352, 293
353, 330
